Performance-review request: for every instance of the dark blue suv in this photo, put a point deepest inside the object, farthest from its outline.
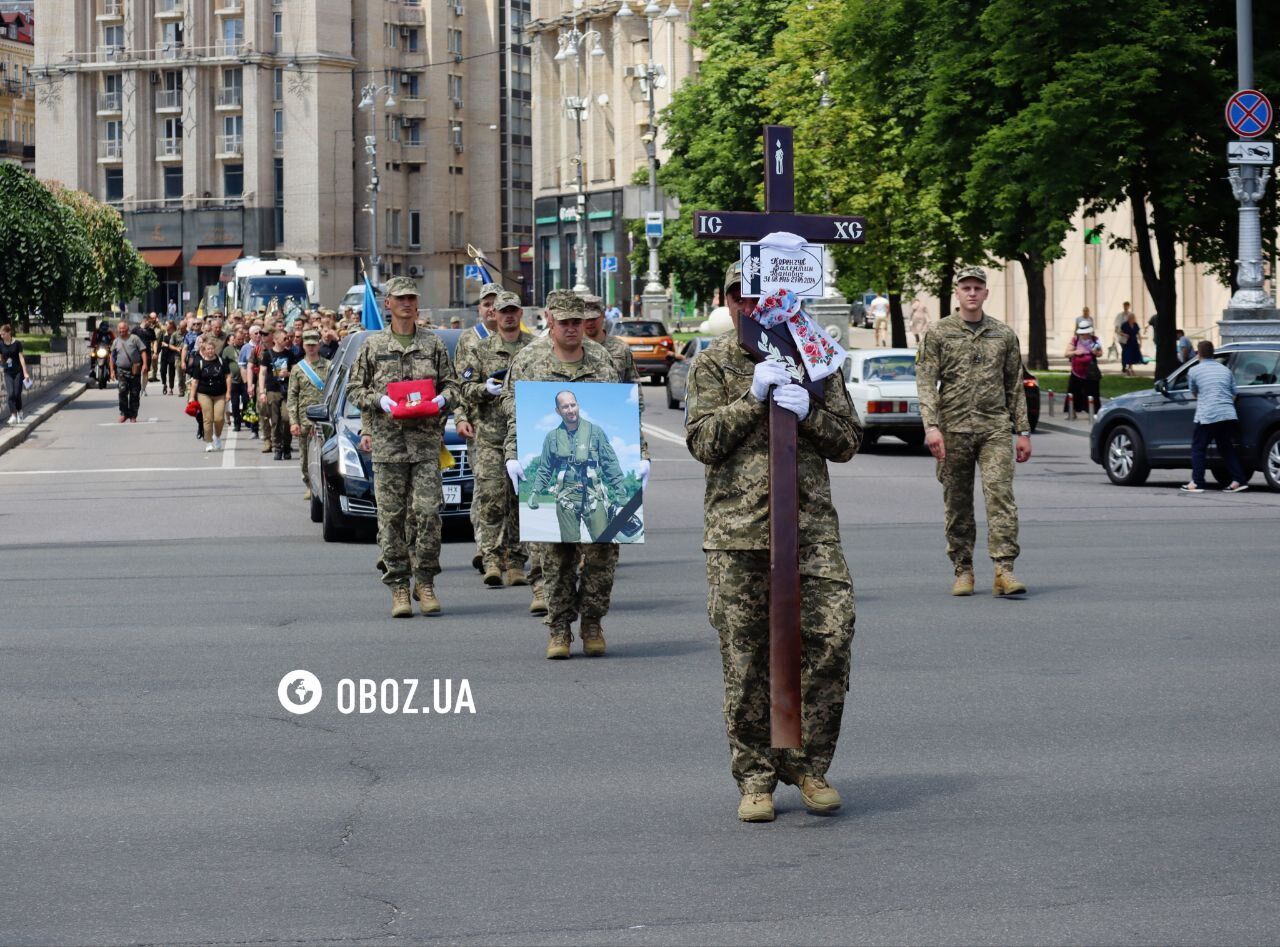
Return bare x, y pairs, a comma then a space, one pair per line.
1152, 429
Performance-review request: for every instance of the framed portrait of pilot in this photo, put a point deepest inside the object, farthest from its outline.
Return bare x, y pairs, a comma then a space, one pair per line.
579, 444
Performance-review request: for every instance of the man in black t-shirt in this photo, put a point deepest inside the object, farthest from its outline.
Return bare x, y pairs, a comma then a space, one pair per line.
146, 331
273, 365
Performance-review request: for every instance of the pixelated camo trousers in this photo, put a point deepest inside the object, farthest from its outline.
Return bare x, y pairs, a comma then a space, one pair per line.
992, 454
408, 497
738, 606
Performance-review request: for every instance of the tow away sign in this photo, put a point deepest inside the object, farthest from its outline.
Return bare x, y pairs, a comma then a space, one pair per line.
1250, 152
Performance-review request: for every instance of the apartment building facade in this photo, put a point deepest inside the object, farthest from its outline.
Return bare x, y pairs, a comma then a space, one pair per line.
227, 128
17, 89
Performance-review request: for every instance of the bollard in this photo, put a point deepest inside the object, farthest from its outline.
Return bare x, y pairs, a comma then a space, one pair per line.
1093, 408
1069, 407
1050, 393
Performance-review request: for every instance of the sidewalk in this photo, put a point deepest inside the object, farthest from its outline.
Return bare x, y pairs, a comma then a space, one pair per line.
46, 399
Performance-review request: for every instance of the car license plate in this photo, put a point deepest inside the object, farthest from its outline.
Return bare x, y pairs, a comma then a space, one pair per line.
642, 348
913, 407
453, 493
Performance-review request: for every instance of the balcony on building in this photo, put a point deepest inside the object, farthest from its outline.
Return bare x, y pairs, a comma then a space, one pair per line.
228, 7
168, 149
169, 51
229, 48
110, 10
110, 54
169, 100
108, 103
410, 14
110, 149
230, 146
169, 9
230, 97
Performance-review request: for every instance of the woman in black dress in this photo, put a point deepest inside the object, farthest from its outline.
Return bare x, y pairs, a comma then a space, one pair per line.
1131, 350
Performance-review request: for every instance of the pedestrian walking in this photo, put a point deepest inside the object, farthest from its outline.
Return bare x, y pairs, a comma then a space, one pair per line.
481, 370
1131, 349
230, 352
879, 310
170, 346
727, 429
1185, 350
406, 449
17, 377
249, 353
577, 578
919, 319
1216, 420
1117, 338
128, 365
1085, 379
210, 381
969, 372
273, 367
306, 388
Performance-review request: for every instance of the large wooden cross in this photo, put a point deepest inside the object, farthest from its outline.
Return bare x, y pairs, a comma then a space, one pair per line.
784, 495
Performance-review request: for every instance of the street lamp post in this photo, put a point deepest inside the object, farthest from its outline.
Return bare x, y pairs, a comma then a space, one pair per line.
572, 42
369, 103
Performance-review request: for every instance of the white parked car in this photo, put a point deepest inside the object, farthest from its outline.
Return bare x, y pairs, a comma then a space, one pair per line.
882, 386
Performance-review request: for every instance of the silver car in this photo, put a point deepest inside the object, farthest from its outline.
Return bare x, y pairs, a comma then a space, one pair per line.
678, 373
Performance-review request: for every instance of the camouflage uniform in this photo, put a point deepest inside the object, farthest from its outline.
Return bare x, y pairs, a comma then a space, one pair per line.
466, 343
728, 431
970, 379
406, 453
302, 395
496, 506
579, 467
570, 593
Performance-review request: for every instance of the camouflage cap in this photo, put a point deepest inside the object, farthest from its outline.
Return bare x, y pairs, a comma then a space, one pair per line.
732, 276
490, 289
563, 304
507, 301
971, 272
401, 286
594, 306
311, 337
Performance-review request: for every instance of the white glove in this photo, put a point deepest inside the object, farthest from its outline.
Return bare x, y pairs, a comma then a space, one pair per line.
643, 470
387, 404
515, 470
795, 398
493, 387
765, 376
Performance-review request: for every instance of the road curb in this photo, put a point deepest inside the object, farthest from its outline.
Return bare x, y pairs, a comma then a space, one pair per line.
12, 436
1060, 428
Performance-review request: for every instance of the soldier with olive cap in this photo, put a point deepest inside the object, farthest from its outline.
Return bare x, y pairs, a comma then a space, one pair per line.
486, 325
969, 370
480, 378
406, 451
578, 578
306, 387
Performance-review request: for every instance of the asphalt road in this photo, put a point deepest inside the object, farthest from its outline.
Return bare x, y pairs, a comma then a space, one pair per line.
1094, 764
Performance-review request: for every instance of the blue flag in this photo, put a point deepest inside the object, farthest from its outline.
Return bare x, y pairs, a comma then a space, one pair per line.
370, 317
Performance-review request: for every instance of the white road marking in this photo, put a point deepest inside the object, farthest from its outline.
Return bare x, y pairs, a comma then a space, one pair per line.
131, 470
663, 434
117, 423
229, 438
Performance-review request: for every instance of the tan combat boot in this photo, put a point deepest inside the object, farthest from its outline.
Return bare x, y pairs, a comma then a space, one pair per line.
539, 604
306, 494
266, 447
756, 807
818, 795
1006, 583
515, 576
558, 644
963, 585
592, 638
401, 606
427, 600
493, 576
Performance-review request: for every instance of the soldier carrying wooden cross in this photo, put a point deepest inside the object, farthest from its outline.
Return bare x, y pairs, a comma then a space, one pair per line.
765, 412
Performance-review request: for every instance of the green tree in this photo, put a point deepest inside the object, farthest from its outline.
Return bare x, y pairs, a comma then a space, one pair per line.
43, 247
118, 272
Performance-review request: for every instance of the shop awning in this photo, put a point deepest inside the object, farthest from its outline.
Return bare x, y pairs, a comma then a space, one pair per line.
215, 256
160, 259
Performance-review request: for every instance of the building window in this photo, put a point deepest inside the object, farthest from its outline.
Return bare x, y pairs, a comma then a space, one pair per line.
277, 30
393, 228
411, 83
114, 189
456, 228
112, 39
173, 185
390, 34
415, 229
277, 85
413, 39
549, 257
455, 42
279, 182
455, 89
171, 40
279, 128
232, 134
233, 180
415, 132
232, 92
457, 284
232, 36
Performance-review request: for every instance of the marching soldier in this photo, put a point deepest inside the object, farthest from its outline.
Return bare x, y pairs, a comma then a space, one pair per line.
572, 590
306, 386
618, 350
486, 325
406, 451
971, 400
727, 429
481, 371
580, 467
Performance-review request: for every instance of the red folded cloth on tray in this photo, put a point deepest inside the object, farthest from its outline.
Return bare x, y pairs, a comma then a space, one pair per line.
414, 399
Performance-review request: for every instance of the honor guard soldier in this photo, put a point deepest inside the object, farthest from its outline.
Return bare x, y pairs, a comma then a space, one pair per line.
486, 325
618, 350
727, 429
972, 402
306, 387
577, 578
481, 373
405, 437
